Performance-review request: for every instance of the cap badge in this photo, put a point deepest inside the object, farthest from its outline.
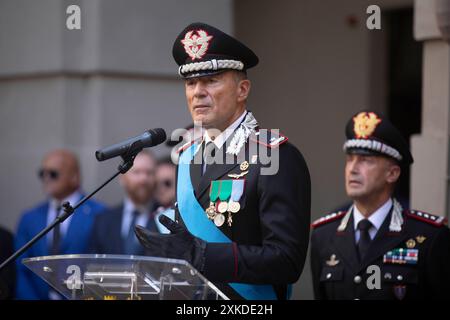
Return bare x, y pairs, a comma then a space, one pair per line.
365, 124
196, 43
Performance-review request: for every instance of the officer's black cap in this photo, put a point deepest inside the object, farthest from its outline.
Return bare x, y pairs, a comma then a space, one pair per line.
370, 133
202, 50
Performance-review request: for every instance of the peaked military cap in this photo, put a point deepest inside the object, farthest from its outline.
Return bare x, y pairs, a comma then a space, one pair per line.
370, 133
202, 50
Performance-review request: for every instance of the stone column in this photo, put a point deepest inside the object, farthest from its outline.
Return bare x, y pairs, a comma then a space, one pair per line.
430, 171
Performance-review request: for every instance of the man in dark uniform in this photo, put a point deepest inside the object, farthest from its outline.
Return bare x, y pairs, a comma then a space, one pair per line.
377, 250
243, 194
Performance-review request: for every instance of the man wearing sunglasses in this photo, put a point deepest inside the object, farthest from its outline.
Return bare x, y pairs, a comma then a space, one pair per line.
60, 178
165, 190
165, 183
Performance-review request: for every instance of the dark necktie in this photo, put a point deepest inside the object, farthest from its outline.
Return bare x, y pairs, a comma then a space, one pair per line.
56, 235
364, 237
208, 155
132, 246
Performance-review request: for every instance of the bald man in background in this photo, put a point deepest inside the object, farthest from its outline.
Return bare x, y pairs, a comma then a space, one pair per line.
61, 180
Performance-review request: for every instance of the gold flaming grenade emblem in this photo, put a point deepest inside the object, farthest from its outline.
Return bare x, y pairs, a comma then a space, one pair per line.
365, 124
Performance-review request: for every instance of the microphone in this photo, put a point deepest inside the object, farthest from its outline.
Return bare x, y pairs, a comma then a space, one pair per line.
132, 146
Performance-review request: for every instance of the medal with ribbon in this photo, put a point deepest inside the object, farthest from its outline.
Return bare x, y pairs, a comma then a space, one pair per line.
236, 194
213, 195
224, 195
401, 256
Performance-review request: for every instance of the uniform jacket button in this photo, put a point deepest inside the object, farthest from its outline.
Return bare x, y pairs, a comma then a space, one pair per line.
357, 279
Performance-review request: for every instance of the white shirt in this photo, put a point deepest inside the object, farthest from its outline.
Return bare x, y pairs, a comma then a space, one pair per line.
375, 218
51, 214
224, 135
127, 217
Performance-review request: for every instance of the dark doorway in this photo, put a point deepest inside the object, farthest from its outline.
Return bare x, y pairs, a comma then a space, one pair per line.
404, 98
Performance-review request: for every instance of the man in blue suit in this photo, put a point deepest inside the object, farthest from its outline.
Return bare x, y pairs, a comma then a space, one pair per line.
60, 176
113, 231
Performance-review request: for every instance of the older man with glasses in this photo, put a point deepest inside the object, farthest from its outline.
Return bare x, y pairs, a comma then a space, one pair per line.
60, 177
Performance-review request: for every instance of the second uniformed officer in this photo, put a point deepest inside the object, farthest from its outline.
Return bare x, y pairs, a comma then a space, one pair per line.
243, 220
377, 250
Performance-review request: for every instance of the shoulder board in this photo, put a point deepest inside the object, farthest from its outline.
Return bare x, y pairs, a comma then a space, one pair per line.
186, 145
328, 218
426, 217
269, 139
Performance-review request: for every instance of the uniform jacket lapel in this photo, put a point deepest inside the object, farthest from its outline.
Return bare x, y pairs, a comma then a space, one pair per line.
215, 171
346, 246
196, 169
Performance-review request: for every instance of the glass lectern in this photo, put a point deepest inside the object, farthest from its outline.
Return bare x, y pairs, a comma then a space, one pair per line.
120, 277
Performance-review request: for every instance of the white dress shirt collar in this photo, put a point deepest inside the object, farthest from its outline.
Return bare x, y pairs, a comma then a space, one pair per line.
377, 218
224, 135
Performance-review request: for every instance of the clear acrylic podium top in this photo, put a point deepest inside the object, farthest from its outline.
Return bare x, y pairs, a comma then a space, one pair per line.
121, 277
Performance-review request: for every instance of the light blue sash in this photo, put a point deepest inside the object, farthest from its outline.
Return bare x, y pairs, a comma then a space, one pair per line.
200, 226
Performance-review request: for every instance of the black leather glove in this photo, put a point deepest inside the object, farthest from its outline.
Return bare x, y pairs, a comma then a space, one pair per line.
179, 244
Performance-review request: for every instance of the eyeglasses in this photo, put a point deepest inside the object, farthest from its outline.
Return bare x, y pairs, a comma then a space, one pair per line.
50, 173
166, 183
